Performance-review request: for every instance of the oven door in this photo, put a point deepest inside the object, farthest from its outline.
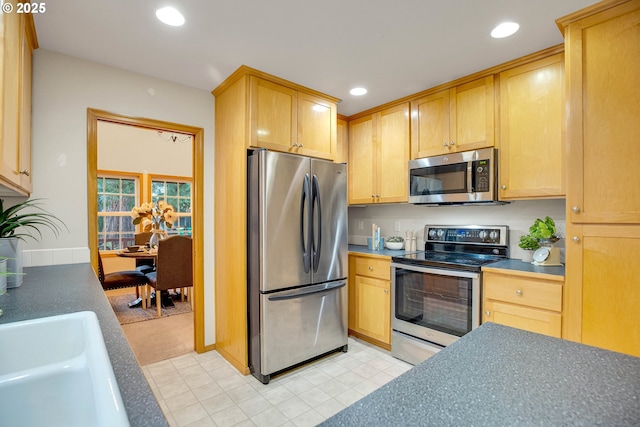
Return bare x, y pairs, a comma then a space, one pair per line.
433, 304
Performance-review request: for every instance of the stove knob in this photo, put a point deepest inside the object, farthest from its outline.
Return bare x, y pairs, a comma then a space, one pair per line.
440, 232
432, 233
482, 234
493, 235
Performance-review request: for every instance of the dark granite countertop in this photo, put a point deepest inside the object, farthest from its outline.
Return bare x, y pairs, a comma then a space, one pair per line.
384, 252
516, 264
61, 289
501, 376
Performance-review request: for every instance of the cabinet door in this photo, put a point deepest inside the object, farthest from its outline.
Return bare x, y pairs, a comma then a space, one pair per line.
393, 158
342, 139
361, 187
603, 59
316, 127
528, 319
25, 108
604, 285
531, 130
472, 123
373, 308
274, 115
430, 125
11, 98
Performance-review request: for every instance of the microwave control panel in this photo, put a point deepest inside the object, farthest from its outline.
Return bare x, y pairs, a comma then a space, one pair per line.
482, 179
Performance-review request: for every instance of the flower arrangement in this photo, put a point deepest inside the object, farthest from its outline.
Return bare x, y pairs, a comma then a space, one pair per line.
152, 216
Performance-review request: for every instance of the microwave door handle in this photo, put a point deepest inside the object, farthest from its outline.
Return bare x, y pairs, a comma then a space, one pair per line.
470, 176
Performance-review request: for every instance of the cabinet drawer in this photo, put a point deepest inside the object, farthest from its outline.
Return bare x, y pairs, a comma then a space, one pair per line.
528, 319
518, 290
372, 267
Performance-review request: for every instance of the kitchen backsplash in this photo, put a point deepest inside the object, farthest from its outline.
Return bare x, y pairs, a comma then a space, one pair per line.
519, 216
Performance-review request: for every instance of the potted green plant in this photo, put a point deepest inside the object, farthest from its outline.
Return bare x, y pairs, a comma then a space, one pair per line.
544, 230
528, 244
19, 222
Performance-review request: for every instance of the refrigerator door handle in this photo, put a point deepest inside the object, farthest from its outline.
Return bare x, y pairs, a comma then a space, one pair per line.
304, 243
316, 240
310, 290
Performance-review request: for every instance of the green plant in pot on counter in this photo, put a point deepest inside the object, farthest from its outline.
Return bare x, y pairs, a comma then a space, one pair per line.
544, 230
528, 242
19, 222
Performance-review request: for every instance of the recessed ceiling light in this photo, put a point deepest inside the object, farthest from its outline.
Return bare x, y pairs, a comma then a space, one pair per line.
505, 30
170, 16
358, 91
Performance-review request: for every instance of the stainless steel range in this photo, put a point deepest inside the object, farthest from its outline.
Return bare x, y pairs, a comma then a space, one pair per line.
436, 293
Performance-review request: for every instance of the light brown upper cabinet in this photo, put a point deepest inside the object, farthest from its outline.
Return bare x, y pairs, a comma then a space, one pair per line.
342, 153
531, 144
453, 120
17, 45
379, 156
602, 284
292, 121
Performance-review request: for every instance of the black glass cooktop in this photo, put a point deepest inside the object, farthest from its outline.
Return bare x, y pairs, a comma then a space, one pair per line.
451, 260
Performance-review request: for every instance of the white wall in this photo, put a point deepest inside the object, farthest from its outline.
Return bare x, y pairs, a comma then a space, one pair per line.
519, 216
63, 88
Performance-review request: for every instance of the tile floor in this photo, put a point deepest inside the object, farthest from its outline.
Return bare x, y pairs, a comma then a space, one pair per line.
205, 390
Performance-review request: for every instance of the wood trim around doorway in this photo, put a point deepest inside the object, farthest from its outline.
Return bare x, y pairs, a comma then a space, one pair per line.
93, 116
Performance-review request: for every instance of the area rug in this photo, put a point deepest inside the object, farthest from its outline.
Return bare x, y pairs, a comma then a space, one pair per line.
125, 314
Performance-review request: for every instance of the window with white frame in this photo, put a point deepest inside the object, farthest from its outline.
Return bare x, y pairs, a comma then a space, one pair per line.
176, 192
117, 195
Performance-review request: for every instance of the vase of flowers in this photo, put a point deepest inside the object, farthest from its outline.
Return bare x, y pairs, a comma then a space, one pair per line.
154, 218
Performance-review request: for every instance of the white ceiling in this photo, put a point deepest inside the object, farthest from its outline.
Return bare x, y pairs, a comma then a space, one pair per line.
393, 48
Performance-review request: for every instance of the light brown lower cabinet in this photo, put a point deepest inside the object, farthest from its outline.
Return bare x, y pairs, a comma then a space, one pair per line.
528, 301
370, 299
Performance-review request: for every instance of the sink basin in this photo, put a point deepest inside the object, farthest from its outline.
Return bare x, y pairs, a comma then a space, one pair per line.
55, 371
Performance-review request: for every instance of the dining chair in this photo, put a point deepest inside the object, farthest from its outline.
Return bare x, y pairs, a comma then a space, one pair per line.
144, 266
174, 268
122, 279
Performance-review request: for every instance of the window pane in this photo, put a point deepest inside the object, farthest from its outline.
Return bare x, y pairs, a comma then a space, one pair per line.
100, 224
112, 185
100, 185
128, 202
157, 190
184, 206
112, 204
184, 189
111, 223
173, 201
127, 225
101, 203
129, 186
172, 188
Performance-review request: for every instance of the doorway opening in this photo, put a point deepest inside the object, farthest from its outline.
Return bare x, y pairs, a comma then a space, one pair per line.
197, 164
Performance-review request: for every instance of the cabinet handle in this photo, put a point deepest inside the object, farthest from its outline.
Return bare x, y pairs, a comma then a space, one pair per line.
295, 144
445, 144
25, 172
576, 239
370, 268
386, 291
504, 187
300, 145
451, 143
487, 313
519, 292
575, 209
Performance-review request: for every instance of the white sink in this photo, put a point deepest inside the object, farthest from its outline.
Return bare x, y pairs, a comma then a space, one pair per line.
55, 371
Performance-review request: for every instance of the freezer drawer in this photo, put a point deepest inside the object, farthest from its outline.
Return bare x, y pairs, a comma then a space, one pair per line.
300, 324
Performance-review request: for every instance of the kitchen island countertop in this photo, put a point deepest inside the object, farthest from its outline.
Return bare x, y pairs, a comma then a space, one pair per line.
61, 289
497, 375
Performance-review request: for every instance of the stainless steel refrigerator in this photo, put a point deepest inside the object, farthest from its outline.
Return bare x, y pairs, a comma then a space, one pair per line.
297, 260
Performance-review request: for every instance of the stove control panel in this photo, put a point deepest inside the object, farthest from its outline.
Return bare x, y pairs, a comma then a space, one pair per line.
474, 234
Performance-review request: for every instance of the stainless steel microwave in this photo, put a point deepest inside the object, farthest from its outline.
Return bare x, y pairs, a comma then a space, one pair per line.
456, 178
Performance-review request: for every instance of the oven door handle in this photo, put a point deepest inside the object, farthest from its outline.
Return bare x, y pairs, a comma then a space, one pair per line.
435, 270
